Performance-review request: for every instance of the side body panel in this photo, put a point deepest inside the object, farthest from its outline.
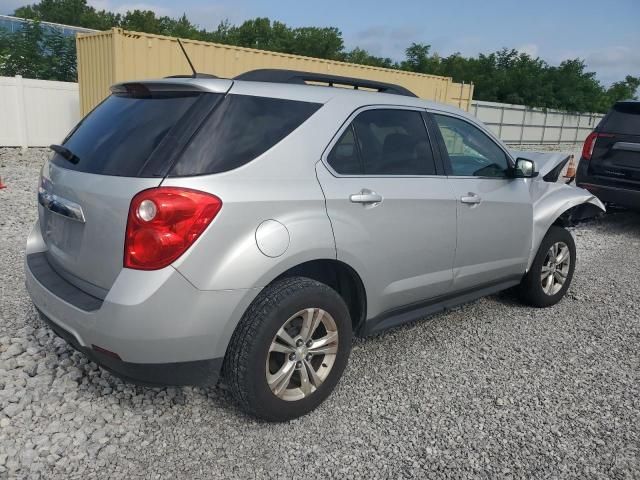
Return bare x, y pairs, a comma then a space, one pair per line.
494, 216
403, 247
494, 236
279, 185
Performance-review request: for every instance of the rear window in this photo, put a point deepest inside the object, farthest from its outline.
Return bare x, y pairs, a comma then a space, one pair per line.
240, 129
119, 136
624, 118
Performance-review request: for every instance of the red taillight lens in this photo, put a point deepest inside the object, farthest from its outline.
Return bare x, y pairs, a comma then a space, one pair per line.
590, 142
587, 148
163, 223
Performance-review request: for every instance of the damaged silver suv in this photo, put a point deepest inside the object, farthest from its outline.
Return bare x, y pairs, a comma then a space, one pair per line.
197, 229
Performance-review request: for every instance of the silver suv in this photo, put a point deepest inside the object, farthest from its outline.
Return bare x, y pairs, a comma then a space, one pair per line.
197, 229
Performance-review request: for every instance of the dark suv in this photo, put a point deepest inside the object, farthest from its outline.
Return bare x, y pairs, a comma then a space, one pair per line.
610, 163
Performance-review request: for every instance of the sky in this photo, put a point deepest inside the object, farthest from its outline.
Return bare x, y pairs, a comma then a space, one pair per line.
605, 33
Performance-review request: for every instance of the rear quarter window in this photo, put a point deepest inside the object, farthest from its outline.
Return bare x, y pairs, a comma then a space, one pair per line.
624, 118
240, 129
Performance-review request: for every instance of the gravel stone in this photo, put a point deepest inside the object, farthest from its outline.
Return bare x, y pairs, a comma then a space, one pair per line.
491, 389
14, 350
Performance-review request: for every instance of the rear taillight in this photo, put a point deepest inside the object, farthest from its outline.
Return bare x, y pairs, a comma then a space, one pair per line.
163, 223
587, 148
590, 142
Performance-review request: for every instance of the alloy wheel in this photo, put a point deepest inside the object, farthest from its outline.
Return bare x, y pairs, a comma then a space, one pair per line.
302, 354
555, 268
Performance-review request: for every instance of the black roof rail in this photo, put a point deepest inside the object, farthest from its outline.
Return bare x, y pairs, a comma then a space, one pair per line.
197, 75
293, 76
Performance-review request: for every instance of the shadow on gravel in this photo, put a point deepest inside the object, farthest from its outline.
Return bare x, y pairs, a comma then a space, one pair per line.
618, 220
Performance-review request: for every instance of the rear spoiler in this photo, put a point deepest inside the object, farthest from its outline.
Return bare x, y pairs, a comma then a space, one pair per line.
146, 87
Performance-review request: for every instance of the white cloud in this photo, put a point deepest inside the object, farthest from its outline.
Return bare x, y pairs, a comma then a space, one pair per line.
614, 63
9, 6
203, 15
210, 16
100, 4
611, 63
530, 49
384, 41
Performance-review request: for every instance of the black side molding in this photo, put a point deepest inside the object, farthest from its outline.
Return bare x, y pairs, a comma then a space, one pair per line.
58, 286
420, 310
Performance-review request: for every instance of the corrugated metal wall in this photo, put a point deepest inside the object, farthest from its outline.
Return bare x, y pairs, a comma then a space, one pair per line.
96, 68
118, 55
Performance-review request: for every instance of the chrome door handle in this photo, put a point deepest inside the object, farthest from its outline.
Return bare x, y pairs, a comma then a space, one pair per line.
471, 198
365, 196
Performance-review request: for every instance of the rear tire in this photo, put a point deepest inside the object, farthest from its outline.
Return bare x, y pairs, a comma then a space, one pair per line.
552, 269
289, 350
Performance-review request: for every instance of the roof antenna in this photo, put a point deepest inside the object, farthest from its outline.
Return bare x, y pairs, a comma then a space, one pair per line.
195, 74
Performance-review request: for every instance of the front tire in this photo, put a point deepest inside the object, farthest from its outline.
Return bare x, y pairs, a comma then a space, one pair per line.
289, 350
551, 271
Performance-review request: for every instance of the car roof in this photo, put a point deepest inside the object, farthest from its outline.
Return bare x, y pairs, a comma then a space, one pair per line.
308, 93
355, 98
324, 94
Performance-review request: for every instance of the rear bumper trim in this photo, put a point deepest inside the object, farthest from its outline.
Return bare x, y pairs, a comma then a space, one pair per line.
620, 196
44, 273
200, 372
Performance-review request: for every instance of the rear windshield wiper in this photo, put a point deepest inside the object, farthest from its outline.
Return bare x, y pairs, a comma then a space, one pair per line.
65, 153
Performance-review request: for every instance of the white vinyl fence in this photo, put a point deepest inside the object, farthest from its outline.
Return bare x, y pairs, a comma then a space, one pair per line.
517, 124
36, 113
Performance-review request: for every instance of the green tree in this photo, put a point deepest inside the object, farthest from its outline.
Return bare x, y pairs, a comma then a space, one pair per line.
69, 12
503, 76
141, 21
317, 42
418, 59
626, 89
37, 52
362, 57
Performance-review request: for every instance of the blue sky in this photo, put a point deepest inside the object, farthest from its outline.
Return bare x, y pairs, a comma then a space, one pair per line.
606, 33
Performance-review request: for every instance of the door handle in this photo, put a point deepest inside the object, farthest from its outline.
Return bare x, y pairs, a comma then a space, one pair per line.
471, 198
365, 196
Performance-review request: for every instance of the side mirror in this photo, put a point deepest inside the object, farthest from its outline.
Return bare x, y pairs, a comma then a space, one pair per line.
525, 168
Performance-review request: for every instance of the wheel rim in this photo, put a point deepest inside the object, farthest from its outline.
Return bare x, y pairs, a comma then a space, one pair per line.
302, 354
555, 268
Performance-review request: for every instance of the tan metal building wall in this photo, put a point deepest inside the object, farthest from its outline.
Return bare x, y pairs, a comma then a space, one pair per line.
118, 55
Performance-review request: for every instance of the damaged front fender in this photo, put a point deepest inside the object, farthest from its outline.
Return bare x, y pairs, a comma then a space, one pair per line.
559, 203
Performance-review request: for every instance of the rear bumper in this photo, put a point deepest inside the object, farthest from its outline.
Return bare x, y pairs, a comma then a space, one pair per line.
199, 372
624, 197
162, 329
618, 196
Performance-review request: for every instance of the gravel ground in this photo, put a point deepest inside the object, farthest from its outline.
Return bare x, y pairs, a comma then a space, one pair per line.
488, 390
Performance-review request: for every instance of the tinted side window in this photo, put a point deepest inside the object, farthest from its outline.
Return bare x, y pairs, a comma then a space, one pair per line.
471, 151
344, 157
624, 119
240, 129
118, 136
394, 142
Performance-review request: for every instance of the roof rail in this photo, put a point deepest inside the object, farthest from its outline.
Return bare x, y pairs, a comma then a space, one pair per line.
297, 77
